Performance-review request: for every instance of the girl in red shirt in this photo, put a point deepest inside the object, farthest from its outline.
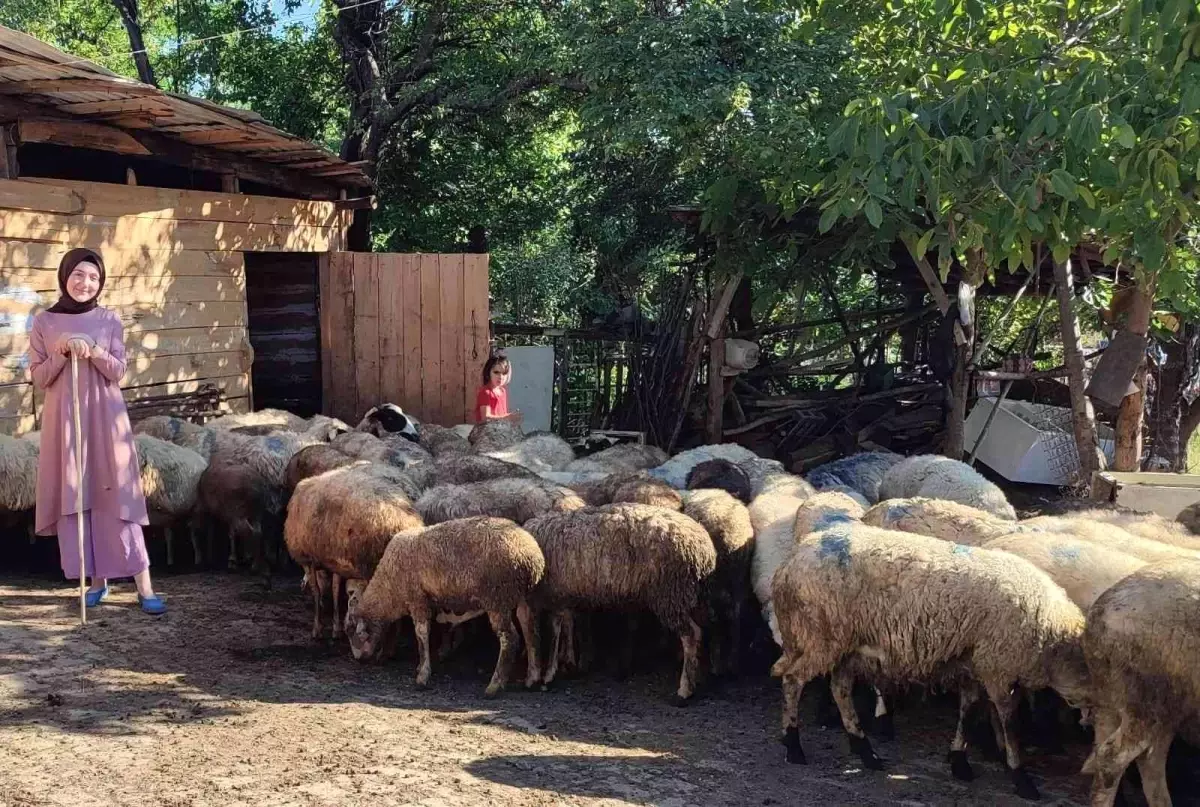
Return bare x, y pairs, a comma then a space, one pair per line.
491, 403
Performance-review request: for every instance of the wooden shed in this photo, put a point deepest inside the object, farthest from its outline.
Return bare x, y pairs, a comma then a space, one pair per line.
223, 239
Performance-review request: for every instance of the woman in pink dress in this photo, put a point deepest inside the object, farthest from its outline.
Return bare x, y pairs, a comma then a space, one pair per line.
114, 508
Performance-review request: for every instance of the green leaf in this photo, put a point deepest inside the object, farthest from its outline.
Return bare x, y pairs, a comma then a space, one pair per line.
1126, 136
1086, 196
923, 243
874, 213
1064, 184
1061, 252
828, 218
956, 74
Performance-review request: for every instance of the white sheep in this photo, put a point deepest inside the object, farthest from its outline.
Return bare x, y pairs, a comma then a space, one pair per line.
862, 473
854, 600
170, 477
621, 457
939, 518
476, 564
180, 432
515, 499
1151, 526
18, 474
1142, 642
1110, 536
1083, 569
540, 451
277, 418
773, 517
675, 470
933, 476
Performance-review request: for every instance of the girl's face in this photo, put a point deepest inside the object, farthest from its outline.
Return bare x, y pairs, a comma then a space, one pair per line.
499, 375
84, 282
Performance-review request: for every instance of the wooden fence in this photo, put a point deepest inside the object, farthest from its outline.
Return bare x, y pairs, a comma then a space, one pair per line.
405, 329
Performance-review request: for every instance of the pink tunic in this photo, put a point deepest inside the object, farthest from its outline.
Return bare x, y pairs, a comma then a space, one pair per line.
112, 488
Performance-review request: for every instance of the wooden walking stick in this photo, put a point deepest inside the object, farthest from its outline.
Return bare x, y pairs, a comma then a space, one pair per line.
79, 488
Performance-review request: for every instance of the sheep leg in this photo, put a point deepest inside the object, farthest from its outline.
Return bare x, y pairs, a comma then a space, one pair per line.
1152, 765
1111, 757
421, 619
337, 606
1005, 702
315, 578
232, 563
885, 727
841, 683
561, 618
194, 534
793, 688
570, 652
960, 766
528, 620
690, 637
169, 536
506, 632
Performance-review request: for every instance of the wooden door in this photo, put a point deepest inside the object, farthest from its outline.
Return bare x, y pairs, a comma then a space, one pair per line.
405, 329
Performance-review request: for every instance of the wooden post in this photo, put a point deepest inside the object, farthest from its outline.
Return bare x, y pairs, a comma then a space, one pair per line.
1083, 418
716, 391
8, 153
1128, 453
563, 368
230, 184
960, 379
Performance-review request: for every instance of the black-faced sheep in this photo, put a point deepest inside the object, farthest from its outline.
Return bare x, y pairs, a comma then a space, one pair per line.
493, 435
388, 419
515, 499
539, 451
721, 475
852, 598
469, 565
461, 469
341, 522
621, 457
861, 472
1142, 642
625, 556
932, 476
727, 522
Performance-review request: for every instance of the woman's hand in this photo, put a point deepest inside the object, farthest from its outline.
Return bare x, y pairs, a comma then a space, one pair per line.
79, 347
515, 416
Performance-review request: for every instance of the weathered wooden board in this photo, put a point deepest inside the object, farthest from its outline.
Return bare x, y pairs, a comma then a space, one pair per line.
337, 334
103, 199
390, 276
19, 258
232, 387
475, 321
452, 338
141, 289
101, 233
16, 426
170, 342
431, 341
366, 332
412, 394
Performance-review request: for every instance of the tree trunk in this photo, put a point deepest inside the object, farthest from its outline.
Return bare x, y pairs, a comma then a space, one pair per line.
1174, 419
960, 378
908, 334
1128, 453
133, 27
1083, 418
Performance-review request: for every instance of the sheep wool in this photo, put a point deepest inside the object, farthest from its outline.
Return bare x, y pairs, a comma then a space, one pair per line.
1151, 526
515, 499
1084, 570
621, 457
341, 521
721, 475
727, 522
982, 616
936, 477
823, 510
1141, 643
493, 435
1111, 536
18, 474
311, 461
540, 451
180, 432
459, 469
628, 486
939, 518
675, 470
859, 472
773, 517
438, 440
626, 556
281, 420
475, 564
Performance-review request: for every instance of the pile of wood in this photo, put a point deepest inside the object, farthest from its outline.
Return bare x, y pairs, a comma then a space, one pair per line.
805, 432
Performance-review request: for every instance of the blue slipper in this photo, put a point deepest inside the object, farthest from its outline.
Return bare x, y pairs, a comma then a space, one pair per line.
94, 598
152, 605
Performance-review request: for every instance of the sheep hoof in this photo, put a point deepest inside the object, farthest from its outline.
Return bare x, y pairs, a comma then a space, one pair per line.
862, 747
1024, 785
492, 691
421, 684
885, 727
548, 686
795, 753
680, 701
960, 766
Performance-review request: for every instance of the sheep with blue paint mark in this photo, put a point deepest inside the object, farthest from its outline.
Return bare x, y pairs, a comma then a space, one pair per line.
939, 518
862, 473
1111, 536
180, 432
933, 476
897, 608
1083, 569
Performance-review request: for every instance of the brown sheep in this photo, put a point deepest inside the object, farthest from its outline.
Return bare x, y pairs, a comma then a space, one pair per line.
341, 522
494, 435
468, 565
515, 499
636, 487
313, 461
440, 441
460, 469
624, 556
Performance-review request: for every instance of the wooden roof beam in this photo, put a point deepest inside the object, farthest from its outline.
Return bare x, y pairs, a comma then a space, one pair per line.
55, 85
118, 107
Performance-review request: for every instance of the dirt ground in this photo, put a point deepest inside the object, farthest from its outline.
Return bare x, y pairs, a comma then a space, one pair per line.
226, 701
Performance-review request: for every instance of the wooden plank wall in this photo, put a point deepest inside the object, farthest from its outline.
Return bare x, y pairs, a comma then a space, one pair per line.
176, 276
405, 329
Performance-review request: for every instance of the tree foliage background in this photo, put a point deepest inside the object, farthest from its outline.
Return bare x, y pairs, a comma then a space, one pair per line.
806, 134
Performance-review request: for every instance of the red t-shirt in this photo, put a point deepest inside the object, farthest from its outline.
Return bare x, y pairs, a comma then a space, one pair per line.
496, 398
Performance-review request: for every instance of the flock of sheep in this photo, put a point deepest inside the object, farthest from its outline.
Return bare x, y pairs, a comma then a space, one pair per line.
876, 568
